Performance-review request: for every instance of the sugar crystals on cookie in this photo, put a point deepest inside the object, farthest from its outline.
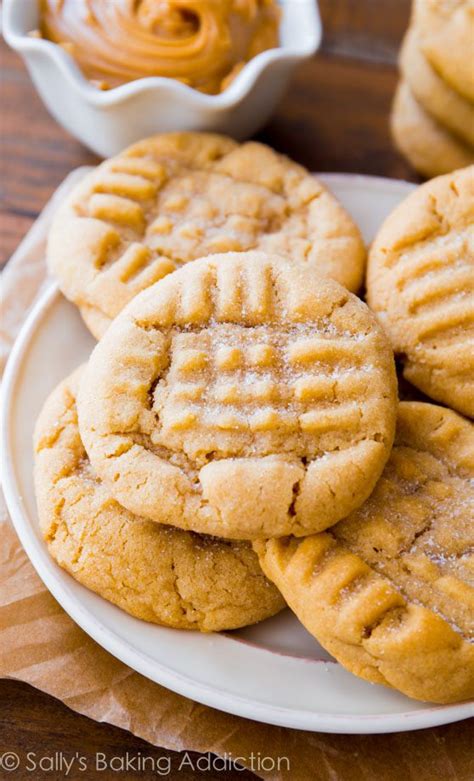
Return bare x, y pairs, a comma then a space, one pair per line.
172, 198
241, 396
166, 576
389, 591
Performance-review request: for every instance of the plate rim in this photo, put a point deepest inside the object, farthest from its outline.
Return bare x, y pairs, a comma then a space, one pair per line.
432, 715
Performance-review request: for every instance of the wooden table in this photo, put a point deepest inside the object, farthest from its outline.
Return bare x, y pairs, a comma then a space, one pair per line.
334, 118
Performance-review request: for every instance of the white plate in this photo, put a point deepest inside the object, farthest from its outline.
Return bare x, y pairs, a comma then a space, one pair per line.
273, 672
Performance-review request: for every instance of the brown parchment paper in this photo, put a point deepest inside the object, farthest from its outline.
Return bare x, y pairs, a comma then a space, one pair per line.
41, 645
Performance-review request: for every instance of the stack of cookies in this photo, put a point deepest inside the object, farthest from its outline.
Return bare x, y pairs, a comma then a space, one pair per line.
235, 442
433, 110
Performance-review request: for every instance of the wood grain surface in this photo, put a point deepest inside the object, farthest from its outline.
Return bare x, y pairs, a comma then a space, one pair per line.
334, 118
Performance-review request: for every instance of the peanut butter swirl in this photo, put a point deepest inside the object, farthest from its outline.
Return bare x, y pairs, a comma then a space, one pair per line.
202, 43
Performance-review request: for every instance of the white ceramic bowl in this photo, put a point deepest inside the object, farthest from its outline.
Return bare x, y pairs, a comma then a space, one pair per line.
108, 121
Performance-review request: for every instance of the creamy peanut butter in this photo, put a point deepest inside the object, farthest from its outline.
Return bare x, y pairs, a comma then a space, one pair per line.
203, 43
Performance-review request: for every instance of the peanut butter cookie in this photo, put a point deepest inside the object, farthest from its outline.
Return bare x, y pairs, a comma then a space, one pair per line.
389, 591
443, 103
241, 396
446, 29
420, 284
166, 576
428, 146
173, 198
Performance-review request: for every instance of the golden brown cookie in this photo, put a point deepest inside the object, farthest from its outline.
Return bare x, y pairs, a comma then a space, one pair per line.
420, 284
241, 396
389, 591
430, 148
446, 29
175, 197
166, 576
444, 104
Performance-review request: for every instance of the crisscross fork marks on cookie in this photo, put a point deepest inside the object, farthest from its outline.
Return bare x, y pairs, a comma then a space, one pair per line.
180, 196
233, 375
155, 573
402, 532
389, 590
295, 387
255, 380
437, 286
421, 284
